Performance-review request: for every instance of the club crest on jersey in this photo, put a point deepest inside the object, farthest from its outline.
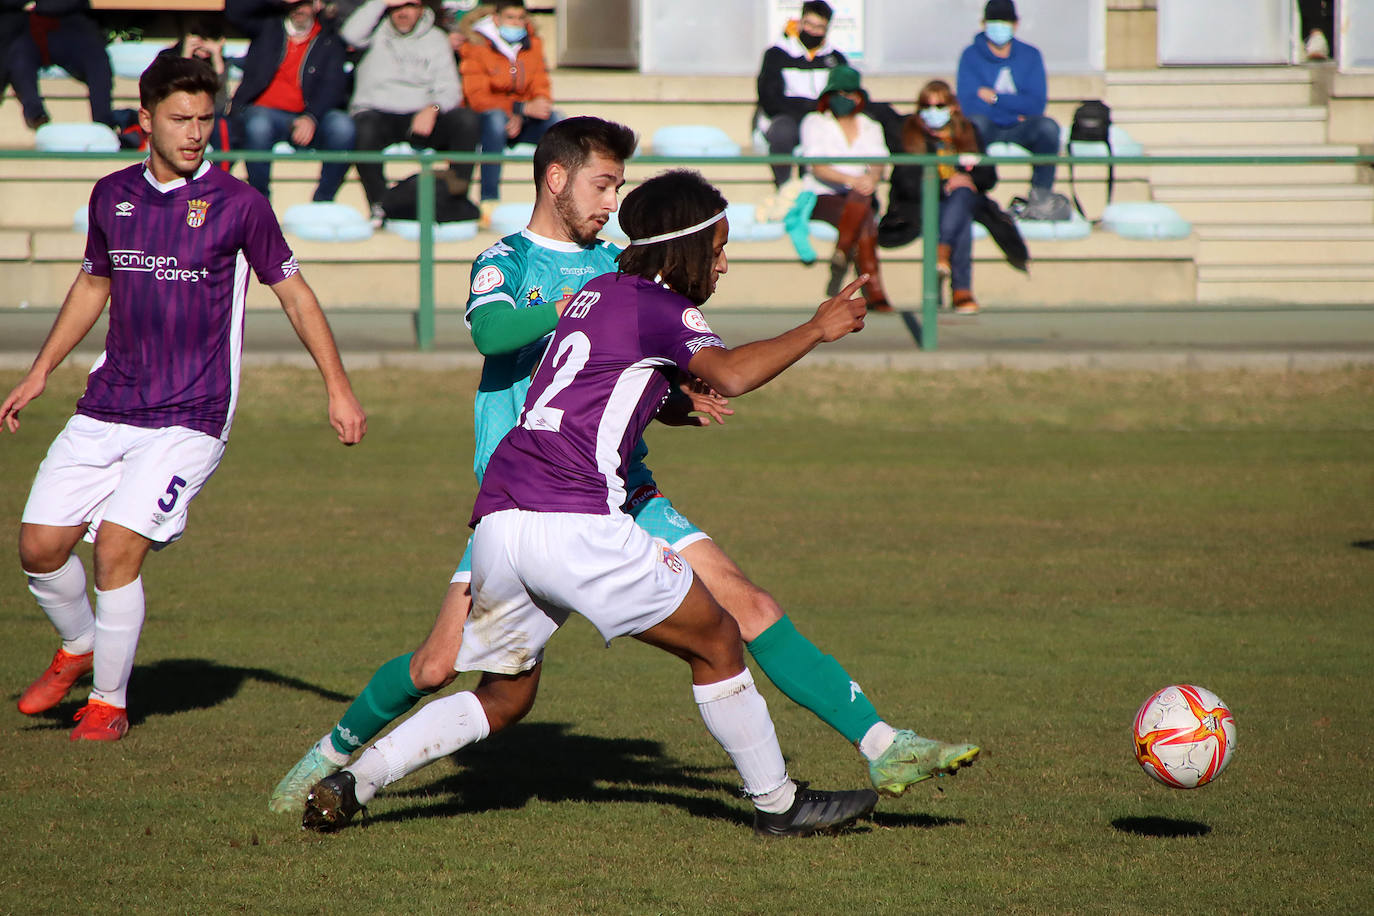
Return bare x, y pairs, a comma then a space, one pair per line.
671, 559
195, 213
535, 296
695, 321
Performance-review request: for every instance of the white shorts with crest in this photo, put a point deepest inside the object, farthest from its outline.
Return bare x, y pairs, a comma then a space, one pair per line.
143, 479
530, 570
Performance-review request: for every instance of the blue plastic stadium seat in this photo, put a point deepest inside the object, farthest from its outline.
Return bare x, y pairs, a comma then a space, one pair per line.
53, 72
1075, 227
612, 230
979, 231
693, 140
509, 218
443, 232
81, 219
76, 138
326, 222
745, 227
283, 148
1008, 149
1145, 220
130, 58
520, 151
823, 232
1122, 144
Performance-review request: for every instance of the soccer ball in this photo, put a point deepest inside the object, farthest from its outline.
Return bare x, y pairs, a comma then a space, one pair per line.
1184, 736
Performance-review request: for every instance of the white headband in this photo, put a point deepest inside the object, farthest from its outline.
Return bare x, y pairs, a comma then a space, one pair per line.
668, 236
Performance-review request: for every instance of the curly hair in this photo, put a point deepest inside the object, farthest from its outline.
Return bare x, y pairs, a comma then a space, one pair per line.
665, 203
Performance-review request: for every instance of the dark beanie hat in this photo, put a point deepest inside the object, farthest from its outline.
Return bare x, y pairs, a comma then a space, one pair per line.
999, 11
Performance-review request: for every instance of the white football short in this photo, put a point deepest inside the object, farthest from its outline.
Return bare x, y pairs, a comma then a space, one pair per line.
530, 570
143, 479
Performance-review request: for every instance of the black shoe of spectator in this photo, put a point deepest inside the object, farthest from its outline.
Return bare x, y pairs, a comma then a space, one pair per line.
36, 121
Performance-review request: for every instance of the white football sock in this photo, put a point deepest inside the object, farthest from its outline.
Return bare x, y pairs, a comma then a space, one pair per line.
440, 728
62, 596
876, 740
118, 622
736, 715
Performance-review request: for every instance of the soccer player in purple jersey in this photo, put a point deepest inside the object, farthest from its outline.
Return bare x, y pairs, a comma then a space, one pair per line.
170, 245
552, 537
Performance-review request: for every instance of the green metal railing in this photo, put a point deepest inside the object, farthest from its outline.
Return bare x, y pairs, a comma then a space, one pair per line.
930, 281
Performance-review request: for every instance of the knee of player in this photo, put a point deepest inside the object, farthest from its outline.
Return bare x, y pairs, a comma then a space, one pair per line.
430, 670
755, 612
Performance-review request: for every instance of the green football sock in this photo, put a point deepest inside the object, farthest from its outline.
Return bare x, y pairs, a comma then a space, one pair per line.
812, 680
389, 694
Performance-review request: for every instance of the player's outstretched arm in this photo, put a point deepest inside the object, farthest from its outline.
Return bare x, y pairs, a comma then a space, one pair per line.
733, 372
303, 309
83, 305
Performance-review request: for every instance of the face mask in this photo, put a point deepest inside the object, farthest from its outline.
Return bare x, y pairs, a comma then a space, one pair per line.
810, 42
841, 106
513, 34
999, 33
935, 118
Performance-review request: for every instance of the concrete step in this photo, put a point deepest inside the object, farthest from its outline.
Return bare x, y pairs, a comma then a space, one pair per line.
1296, 245
1275, 205
381, 272
1221, 87
1166, 175
1304, 284
1182, 125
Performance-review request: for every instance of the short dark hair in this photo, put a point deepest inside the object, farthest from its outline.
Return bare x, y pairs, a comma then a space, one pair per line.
572, 141
168, 74
206, 26
665, 203
819, 7
507, 4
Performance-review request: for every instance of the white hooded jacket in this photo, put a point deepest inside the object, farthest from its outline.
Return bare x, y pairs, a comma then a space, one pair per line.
400, 74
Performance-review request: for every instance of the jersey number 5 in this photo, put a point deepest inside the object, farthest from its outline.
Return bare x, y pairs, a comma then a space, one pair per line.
569, 359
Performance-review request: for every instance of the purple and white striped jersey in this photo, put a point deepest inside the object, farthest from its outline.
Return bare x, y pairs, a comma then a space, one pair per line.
604, 375
177, 256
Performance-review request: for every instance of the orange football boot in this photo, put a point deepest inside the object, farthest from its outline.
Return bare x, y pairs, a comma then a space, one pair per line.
52, 685
99, 721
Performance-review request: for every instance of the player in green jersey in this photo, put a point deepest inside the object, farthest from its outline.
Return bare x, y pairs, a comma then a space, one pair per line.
518, 290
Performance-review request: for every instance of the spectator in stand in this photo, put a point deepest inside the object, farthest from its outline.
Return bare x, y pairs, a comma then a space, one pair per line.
406, 87
793, 73
1002, 89
13, 23
845, 192
202, 36
939, 127
294, 87
61, 33
506, 82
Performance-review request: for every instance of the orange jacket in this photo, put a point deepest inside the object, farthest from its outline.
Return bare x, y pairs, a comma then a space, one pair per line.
492, 80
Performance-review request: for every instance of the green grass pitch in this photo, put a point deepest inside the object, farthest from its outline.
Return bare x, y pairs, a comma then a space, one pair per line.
1017, 559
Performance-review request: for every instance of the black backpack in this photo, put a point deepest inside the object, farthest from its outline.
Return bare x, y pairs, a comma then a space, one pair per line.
1092, 123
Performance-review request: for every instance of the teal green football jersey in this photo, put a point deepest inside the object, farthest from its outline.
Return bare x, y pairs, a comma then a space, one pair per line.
522, 270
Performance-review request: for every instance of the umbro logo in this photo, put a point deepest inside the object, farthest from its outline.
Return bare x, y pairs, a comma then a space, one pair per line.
124, 208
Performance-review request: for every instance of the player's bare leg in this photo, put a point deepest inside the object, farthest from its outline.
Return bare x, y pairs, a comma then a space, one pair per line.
57, 581
702, 634
897, 758
391, 692
441, 728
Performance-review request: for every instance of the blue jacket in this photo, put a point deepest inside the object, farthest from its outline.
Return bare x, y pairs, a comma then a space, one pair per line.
1021, 89
323, 80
